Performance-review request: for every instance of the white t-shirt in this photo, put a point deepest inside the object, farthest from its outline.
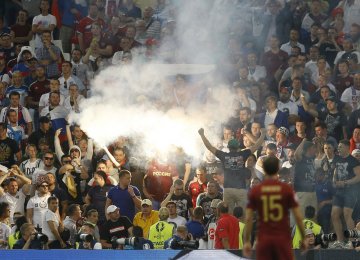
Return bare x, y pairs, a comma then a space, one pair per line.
25, 113
16, 203
29, 167
39, 206
351, 96
46, 21
290, 107
179, 221
4, 234
44, 100
50, 216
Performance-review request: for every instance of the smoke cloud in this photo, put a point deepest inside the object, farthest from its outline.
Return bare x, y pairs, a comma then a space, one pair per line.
145, 101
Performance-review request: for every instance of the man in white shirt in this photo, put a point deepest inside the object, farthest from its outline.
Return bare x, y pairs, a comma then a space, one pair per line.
14, 196
68, 79
43, 22
294, 37
351, 95
174, 218
44, 99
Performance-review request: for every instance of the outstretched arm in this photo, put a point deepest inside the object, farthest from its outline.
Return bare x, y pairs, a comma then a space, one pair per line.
206, 142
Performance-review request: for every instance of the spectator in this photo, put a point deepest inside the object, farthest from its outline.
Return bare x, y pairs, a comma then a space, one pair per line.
174, 218
67, 79
38, 204
343, 79
14, 131
43, 22
147, 217
97, 195
346, 178
79, 69
116, 226
314, 16
72, 102
4, 227
125, 196
211, 225
7, 49
73, 215
183, 201
294, 37
321, 132
45, 100
49, 55
205, 199
161, 230
273, 115
44, 132
351, 95
195, 226
21, 29
29, 166
153, 25
198, 186
52, 226
57, 192
18, 86
11, 151
129, 9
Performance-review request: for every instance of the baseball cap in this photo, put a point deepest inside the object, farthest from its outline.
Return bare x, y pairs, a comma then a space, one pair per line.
215, 202
44, 119
331, 98
146, 202
233, 143
111, 209
355, 151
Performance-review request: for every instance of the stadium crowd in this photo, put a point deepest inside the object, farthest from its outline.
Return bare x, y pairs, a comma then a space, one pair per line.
294, 71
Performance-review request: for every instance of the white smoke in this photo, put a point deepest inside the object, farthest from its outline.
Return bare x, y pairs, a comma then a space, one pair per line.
138, 100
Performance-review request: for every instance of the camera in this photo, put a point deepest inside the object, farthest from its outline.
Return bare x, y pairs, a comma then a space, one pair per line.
324, 239
175, 244
42, 238
352, 233
84, 237
131, 241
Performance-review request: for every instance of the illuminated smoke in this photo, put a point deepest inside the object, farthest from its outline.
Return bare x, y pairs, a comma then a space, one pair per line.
133, 100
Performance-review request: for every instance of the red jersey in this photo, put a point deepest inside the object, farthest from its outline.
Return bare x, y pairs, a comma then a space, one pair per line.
272, 200
227, 226
195, 188
159, 179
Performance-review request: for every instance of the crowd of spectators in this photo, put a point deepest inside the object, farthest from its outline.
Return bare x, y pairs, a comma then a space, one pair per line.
293, 69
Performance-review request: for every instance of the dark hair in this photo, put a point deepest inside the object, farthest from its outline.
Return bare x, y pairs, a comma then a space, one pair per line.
10, 111
65, 156
122, 173
51, 198
178, 182
91, 211
309, 212
138, 231
19, 222
68, 62
54, 92
14, 93
3, 207
198, 212
321, 124
345, 142
76, 49
271, 165
23, 10
238, 212
71, 209
102, 174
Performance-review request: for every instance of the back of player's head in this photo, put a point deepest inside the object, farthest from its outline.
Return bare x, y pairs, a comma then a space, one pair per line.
238, 212
309, 212
271, 165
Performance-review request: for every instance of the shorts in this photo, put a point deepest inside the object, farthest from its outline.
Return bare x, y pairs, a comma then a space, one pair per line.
345, 198
273, 248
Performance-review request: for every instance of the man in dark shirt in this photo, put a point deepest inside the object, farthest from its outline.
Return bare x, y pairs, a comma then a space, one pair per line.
235, 193
28, 241
346, 181
117, 226
44, 132
8, 148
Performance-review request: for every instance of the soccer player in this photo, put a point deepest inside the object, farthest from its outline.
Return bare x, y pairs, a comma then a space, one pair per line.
272, 200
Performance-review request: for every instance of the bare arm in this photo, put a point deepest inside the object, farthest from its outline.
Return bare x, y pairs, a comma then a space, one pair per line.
225, 242
168, 197
30, 214
107, 51
206, 142
259, 142
107, 204
55, 232
69, 136
187, 172
307, 108
247, 234
299, 150
81, 42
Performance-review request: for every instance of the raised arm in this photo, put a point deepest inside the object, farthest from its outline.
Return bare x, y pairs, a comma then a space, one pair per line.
259, 142
206, 142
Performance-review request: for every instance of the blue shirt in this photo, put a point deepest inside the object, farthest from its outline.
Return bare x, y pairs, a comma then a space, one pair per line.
324, 190
122, 199
196, 229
